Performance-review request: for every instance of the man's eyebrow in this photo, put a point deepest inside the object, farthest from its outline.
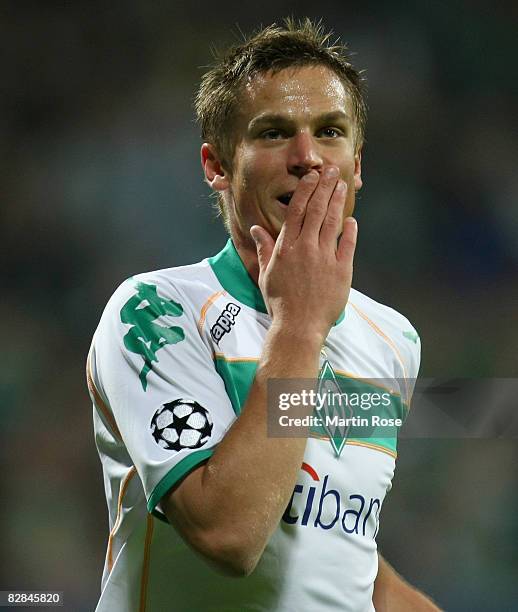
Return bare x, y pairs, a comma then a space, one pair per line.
332, 117
269, 119
281, 119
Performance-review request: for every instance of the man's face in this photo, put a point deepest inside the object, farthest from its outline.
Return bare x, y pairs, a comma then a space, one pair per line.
290, 122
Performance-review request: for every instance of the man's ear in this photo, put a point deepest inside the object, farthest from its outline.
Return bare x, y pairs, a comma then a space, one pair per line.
358, 170
215, 175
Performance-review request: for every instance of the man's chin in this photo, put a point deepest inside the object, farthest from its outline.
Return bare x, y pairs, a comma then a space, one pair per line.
241, 233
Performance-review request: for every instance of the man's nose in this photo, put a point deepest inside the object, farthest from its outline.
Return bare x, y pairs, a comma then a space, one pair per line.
304, 154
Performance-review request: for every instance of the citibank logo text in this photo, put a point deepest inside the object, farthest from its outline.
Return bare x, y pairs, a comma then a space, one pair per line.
322, 506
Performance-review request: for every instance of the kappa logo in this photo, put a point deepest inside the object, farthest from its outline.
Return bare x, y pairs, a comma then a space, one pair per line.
225, 322
145, 337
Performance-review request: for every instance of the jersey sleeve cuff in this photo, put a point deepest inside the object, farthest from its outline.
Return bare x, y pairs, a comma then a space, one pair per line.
175, 474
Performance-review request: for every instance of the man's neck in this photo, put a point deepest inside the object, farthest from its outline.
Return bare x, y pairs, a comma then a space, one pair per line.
248, 253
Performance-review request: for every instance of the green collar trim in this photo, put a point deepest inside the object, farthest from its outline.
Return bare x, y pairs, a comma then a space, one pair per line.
234, 278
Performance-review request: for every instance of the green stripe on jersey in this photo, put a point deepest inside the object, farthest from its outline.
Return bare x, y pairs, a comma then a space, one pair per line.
175, 474
238, 377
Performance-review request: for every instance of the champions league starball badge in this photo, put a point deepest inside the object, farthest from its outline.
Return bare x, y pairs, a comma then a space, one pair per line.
181, 424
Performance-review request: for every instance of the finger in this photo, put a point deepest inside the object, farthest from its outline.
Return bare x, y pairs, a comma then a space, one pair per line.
347, 245
297, 209
332, 224
319, 203
264, 244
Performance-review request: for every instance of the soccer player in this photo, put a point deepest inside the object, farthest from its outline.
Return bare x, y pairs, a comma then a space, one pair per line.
207, 511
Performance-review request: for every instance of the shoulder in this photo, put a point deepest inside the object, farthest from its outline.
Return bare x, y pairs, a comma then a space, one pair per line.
165, 292
383, 314
392, 325
151, 322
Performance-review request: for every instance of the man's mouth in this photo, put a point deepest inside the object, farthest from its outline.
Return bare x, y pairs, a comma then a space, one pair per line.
285, 198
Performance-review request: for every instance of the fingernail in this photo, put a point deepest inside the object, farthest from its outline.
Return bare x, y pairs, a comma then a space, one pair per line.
310, 177
332, 172
352, 221
340, 186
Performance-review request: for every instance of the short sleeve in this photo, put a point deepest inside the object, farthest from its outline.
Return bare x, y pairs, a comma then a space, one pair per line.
410, 347
152, 368
415, 359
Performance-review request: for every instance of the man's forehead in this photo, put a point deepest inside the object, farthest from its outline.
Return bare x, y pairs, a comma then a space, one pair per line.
306, 89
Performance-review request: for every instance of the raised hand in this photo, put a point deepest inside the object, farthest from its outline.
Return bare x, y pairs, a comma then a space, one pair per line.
305, 276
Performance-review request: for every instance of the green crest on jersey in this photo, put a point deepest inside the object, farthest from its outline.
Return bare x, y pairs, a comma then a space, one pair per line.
146, 337
238, 376
328, 386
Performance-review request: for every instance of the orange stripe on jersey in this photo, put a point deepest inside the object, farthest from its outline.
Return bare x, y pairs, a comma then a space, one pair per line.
98, 402
377, 447
235, 359
145, 564
382, 334
206, 306
389, 342
368, 381
124, 486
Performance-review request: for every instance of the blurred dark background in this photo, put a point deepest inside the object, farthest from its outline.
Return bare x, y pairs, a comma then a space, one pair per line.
101, 180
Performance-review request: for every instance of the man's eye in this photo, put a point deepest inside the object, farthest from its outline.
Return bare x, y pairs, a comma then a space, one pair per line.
271, 134
331, 132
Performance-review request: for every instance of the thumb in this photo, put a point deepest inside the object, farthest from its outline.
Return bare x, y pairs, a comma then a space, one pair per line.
264, 244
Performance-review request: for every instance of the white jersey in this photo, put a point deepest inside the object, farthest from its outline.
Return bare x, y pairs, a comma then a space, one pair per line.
169, 371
